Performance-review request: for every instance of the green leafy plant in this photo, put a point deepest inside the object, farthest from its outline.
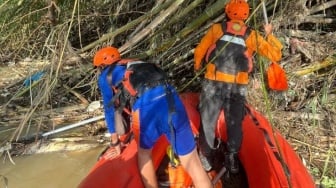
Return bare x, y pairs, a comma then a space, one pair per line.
328, 182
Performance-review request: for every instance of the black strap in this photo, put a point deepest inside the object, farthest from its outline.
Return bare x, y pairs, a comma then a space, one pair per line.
224, 27
171, 110
122, 99
247, 32
109, 75
269, 141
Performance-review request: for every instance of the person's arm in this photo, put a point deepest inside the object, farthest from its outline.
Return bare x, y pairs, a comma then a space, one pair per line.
114, 139
269, 47
107, 95
213, 34
146, 167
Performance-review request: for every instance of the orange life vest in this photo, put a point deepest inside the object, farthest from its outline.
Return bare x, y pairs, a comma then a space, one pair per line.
228, 60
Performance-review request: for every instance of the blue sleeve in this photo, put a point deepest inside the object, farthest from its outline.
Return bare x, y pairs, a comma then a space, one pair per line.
107, 95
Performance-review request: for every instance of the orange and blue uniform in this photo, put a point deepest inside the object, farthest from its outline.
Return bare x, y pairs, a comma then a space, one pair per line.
227, 50
156, 109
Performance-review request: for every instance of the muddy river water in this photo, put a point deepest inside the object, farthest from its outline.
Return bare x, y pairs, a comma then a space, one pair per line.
49, 170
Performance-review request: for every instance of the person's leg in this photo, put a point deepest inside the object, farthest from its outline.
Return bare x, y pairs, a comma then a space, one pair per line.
146, 168
234, 114
184, 144
210, 106
193, 166
205, 151
145, 134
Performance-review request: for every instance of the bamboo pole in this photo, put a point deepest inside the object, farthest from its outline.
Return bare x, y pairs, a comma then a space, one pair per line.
329, 61
126, 27
184, 12
73, 125
153, 24
322, 6
205, 16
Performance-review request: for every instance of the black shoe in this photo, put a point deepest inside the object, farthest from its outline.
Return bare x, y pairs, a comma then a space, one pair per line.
205, 162
233, 163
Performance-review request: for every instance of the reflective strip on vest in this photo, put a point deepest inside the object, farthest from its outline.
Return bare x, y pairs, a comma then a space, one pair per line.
233, 39
134, 63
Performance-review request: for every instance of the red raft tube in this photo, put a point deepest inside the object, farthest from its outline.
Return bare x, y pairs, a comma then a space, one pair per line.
267, 158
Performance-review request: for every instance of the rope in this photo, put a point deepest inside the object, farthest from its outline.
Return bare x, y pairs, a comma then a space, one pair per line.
267, 102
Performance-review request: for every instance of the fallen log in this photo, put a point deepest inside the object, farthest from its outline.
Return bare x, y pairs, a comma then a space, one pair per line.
57, 145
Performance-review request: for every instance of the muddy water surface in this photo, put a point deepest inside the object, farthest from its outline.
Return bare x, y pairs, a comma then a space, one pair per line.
51, 170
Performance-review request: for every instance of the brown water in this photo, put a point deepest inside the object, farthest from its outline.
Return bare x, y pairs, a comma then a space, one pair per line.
51, 170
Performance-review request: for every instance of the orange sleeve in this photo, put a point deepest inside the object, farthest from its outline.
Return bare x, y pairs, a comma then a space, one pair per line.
213, 34
270, 48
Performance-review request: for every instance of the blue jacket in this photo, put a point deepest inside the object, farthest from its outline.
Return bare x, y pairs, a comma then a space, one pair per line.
107, 93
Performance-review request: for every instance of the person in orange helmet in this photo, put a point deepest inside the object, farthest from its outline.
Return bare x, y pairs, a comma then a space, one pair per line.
227, 50
141, 89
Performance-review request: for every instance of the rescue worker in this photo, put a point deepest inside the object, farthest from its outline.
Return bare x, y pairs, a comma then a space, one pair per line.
155, 110
227, 50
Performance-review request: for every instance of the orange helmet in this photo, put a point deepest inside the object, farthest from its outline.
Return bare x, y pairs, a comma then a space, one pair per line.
237, 10
106, 56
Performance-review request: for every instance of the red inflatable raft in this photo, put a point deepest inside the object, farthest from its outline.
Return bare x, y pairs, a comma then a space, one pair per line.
265, 166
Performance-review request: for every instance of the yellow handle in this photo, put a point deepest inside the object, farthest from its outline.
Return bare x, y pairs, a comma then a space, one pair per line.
171, 155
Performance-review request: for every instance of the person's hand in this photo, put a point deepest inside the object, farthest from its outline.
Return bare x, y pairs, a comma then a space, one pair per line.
113, 151
197, 72
196, 68
268, 29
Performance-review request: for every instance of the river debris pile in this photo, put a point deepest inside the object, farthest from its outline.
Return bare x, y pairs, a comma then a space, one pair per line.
47, 80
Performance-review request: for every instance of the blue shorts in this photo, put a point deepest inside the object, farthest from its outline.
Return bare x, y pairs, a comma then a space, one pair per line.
151, 114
